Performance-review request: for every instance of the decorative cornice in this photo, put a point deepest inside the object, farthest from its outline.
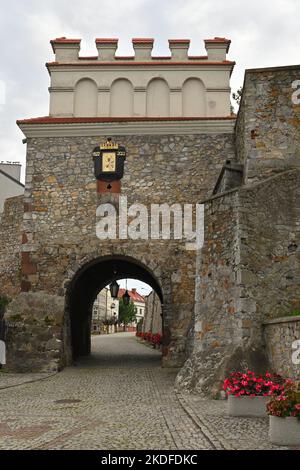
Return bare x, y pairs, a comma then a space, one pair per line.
136, 88
61, 89
165, 64
140, 89
226, 89
126, 126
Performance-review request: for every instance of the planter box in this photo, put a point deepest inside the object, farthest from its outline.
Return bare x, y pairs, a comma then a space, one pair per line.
247, 406
284, 431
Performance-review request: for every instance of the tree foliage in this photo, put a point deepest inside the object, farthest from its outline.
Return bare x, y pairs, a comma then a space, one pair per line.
237, 96
127, 313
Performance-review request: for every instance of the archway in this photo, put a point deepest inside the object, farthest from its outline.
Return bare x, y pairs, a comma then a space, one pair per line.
83, 290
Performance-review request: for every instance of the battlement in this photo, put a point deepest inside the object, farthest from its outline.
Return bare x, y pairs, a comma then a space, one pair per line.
108, 85
67, 50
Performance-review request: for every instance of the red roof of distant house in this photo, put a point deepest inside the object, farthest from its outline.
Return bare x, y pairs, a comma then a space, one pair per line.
134, 295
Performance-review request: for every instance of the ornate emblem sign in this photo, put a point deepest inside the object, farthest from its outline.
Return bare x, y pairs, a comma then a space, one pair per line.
109, 161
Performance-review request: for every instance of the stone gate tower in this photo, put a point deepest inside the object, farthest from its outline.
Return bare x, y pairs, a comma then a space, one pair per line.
172, 115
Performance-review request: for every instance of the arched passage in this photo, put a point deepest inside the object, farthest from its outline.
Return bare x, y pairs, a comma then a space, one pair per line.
84, 287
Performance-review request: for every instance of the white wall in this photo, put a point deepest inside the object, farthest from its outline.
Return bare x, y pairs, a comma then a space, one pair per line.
12, 169
8, 188
193, 98
158, 98
121, 98
163, 90
86, 98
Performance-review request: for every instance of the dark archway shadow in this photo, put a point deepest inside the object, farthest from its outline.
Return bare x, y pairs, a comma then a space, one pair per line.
83, 290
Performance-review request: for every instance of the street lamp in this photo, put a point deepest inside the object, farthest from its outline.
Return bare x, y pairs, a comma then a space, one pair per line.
126, 298
114, 289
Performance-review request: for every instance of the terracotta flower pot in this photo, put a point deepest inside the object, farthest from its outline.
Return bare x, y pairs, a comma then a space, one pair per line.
247, 406
284, 431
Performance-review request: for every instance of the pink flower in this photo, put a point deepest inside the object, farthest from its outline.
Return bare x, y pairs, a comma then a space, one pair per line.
297, 406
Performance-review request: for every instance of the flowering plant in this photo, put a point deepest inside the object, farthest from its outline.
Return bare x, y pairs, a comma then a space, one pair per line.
287, 403
155, 339
241, 384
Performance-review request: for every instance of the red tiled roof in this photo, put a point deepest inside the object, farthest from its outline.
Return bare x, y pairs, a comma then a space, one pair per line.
155, 58
91, 57
179, 41
135, 296
124, 57
74, 120
218, 40
143, 40
65, 40
107, 40
197, 57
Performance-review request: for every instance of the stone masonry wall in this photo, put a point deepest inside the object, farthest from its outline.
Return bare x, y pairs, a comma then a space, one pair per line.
270, 246
249, 272
11, 221
153, 311
35, 333
268, 123
61, 201
216, 321
279, 335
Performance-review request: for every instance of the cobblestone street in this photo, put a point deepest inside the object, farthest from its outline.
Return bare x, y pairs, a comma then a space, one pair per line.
119, 398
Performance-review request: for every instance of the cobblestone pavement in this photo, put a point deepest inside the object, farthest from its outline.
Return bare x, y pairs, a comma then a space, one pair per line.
119, 398
11, 380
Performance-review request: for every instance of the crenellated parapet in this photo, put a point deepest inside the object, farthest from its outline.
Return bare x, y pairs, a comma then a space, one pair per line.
143, 85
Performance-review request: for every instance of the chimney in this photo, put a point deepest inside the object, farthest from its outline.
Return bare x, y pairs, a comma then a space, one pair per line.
142, 48
65, 50
179, 49
106, 48
217, 48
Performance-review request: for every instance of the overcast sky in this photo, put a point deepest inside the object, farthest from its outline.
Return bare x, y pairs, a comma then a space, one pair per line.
263, 33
